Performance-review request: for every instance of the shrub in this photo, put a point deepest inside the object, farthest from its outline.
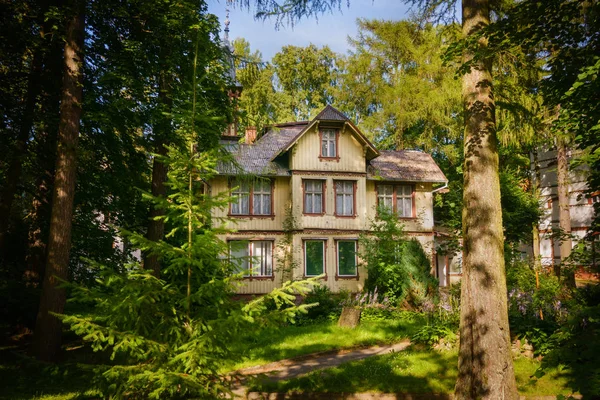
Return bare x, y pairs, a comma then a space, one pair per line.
430, 335
328, 305
576, 344
398, 267
527, 300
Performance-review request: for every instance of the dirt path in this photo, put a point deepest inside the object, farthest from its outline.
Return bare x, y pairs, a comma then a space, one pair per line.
293, 367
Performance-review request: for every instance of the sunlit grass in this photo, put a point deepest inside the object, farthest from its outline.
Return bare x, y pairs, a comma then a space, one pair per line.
410, 371
293, 341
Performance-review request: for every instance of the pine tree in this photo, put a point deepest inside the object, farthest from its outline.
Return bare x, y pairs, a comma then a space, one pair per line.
170, 337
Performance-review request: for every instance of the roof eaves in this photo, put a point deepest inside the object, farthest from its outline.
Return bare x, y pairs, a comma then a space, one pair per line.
364, 138
294, 139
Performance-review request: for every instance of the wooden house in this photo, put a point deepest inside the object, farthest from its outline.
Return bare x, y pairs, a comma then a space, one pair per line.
305, 191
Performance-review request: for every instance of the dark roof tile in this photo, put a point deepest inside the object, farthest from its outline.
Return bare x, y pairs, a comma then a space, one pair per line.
405, 165
331, 114
256, 158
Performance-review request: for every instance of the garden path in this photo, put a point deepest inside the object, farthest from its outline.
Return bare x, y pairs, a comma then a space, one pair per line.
293, 367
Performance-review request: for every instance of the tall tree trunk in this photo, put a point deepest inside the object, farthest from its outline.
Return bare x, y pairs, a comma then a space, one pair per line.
44, 149
13, 174
485, 367
564, 212
535, 187
156, 227
48, 328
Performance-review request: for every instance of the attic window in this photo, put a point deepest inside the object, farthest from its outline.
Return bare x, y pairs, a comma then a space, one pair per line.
329, 143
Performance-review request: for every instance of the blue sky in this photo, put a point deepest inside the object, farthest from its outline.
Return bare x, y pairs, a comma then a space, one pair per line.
330, 29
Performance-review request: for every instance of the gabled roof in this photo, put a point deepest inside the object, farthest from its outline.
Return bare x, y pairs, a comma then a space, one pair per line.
405, 165
330, 114
260, 158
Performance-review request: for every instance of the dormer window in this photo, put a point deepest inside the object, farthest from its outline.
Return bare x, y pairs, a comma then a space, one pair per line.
329, 143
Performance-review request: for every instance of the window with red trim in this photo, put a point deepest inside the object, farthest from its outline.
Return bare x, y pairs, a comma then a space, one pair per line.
344, 198
252, 199
253, 258
314, 196
346, 258
328, 143
314, 257
396, 198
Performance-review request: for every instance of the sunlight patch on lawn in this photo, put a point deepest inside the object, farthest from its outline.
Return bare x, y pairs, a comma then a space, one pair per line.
409, 371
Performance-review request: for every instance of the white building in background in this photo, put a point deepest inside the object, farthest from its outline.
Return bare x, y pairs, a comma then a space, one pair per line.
581, 205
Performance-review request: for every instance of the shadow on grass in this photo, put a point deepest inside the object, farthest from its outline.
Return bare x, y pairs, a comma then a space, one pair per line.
23, 377
273, 344
409, 371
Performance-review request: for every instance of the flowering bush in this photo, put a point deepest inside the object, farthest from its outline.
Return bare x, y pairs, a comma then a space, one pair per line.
527, 299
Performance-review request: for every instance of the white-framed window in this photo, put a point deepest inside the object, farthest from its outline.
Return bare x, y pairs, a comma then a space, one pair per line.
314, 257
314, 199
344, 198
252, 199
328, 143
254, 258
261, 202
346, 258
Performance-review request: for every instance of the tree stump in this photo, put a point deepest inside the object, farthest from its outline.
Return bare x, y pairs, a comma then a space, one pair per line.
350, 317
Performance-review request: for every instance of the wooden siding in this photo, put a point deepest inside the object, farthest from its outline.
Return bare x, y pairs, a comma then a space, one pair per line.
305, 153
262, 285
329, 220
423, 221
281, 200
354, 284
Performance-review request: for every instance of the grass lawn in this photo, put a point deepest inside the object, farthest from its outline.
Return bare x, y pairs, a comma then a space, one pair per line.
23, 378
293, 341
410, 371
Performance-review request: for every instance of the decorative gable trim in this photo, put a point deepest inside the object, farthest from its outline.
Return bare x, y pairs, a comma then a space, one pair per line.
330, 114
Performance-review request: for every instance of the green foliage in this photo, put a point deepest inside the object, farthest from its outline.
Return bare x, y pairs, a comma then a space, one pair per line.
397, 267
577, 345
387, 313
527, 300
168, 337
305, 77
395, 85
327, 305
430, 335
520, 207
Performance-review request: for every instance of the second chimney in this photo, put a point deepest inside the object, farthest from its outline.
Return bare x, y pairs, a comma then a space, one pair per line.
250, 134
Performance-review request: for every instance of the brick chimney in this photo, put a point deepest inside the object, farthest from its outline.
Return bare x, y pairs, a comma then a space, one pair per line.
250, 134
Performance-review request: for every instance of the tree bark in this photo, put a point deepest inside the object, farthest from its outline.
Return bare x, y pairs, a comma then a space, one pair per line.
535, 187
156, 228
48, 328
564, 212
13, 174
485, 367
